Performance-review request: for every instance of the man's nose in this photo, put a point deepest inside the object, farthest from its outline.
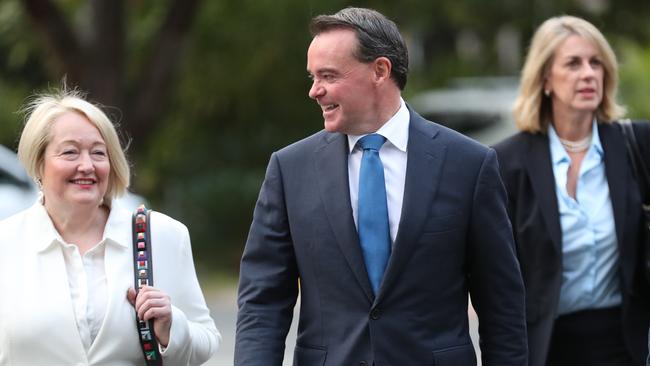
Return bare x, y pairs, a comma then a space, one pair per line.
316, 90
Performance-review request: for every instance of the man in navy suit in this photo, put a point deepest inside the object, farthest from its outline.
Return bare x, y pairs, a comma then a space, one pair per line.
383, 270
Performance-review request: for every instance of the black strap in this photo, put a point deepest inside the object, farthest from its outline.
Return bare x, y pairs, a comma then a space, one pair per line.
638, 165
641, 174
143, 276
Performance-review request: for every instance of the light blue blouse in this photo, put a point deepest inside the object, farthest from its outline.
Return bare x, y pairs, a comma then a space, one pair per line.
590, 255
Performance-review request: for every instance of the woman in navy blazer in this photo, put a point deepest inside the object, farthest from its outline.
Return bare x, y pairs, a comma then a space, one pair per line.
574, 203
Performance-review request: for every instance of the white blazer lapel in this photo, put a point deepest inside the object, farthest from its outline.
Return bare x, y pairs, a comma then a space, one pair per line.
118, 333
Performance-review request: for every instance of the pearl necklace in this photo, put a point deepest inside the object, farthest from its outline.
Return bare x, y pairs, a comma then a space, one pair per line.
576, 146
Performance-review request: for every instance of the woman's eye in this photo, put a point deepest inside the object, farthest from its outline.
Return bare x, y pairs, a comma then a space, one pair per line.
573, 63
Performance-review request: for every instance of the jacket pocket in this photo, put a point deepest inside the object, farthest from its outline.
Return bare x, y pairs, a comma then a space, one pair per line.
462, 355
309, 356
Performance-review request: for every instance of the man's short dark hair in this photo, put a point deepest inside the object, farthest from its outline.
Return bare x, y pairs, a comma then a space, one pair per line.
378, 36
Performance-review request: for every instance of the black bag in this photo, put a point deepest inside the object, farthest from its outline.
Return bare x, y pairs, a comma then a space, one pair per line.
643, 179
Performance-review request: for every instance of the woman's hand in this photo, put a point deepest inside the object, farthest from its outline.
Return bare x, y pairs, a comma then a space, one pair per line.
151, 303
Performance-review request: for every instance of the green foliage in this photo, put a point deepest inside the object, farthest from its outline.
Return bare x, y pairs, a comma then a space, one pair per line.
20, 69
242, 92
635, 79
243, 95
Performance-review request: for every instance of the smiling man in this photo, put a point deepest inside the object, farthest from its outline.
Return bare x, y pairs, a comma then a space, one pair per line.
384, 222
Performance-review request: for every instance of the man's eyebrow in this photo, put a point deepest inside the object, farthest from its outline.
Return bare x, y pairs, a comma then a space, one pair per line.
323, 70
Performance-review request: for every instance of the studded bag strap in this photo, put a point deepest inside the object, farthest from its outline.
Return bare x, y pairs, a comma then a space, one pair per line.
143, 276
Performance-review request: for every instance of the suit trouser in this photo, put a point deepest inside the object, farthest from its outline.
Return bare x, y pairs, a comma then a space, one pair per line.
647, 362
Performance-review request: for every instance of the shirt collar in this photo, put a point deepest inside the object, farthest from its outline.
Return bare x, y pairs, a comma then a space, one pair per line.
559, 154
395, 130
114, 232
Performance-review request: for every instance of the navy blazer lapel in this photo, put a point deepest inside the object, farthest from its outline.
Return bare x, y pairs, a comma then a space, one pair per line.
331, 161
618, 176
540, 171
423, 170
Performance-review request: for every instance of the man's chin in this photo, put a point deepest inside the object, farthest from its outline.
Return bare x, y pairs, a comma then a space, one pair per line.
331, 126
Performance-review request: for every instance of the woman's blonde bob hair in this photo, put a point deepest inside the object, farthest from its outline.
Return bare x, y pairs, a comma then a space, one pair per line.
532, 110
41, 114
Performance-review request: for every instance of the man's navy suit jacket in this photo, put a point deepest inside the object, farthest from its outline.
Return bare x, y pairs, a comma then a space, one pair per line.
454, 237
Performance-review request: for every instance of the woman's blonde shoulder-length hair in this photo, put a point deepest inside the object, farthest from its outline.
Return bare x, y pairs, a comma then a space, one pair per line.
43, 110
532, 110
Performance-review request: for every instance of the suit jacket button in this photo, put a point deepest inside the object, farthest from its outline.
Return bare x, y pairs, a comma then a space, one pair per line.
375, 314
363, 363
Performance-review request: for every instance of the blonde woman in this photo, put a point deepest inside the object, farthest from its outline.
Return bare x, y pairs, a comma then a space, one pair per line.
66, 269
574, 203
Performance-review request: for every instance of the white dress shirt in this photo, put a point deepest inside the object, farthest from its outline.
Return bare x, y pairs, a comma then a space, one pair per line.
88, 289
393, 157
55, 310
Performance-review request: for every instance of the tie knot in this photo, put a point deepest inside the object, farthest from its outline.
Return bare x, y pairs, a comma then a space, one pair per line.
371, 142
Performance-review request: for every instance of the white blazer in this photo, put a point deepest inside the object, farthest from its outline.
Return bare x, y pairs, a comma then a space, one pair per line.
37, 321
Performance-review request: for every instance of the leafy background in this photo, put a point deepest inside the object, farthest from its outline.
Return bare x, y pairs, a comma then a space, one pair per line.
206, 90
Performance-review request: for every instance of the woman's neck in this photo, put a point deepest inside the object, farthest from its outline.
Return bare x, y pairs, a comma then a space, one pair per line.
81, 225
573, 127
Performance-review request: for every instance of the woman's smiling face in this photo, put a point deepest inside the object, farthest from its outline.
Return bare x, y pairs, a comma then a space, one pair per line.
76, 167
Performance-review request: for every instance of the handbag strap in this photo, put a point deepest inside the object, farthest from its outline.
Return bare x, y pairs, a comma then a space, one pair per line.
641, 173
143, 276
638, 165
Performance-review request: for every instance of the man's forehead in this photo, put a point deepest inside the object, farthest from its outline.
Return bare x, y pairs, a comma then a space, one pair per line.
336, 35
331, 46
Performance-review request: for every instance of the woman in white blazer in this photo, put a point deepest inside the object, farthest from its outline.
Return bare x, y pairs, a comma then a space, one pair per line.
66, 270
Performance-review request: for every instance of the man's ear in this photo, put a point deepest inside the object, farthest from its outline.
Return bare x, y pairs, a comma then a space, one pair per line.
382, 68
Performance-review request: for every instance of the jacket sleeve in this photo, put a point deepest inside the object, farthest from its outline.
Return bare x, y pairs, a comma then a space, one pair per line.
268, 281
496, 286
194, 337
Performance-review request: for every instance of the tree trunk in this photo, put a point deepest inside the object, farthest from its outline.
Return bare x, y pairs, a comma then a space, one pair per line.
94, 59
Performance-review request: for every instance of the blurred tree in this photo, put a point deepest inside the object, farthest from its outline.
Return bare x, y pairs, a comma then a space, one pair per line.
93, 54
207, 90
20, 69
635, 78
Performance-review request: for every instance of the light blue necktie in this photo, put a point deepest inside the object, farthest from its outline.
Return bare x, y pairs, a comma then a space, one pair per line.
372, 218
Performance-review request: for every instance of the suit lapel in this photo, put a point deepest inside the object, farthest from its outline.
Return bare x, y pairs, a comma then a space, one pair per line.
55, 280
423, 171
542, 179
331, 161
118, 263
119, 277
51, 275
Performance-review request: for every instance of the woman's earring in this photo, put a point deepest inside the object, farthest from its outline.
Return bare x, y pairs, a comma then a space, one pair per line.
39, 183
547, 92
